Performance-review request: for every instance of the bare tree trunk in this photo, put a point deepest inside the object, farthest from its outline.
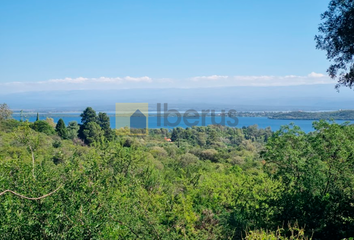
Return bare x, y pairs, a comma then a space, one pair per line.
32, 162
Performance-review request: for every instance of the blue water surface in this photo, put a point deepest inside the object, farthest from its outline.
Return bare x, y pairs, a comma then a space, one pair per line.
262, 122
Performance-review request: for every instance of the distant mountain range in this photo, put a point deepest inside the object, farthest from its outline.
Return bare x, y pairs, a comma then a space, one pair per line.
290, 98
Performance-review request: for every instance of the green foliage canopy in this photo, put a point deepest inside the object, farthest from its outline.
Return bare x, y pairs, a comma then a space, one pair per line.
5, 112
61, 129
337, 39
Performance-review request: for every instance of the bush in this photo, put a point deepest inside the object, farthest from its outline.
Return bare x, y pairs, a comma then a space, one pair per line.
188, 159
209, 154
43, 126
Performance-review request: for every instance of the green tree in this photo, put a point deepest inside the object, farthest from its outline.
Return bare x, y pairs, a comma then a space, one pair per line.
73, 129
88, 115
212, 138
103, 121
9, 125
5, 112
92, 132
337, 38
105, 124
174, 135
43, 126
316, 175
61, 129
201, 139
37, 119
50, 121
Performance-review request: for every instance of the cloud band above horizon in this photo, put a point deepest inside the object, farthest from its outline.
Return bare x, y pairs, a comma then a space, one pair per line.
109, 83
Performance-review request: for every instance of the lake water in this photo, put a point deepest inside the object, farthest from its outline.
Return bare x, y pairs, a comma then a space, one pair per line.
262, 122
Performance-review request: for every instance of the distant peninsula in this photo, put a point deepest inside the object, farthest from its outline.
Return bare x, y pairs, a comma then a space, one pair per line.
299, 115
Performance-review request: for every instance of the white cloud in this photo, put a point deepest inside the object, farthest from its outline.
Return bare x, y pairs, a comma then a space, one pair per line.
107, 80
111, 83
252, 78
66, 80
138, 79
100, 79
213, 78
80, 83
263, 81
316, 75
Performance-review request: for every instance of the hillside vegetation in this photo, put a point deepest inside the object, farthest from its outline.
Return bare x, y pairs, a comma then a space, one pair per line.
89, 182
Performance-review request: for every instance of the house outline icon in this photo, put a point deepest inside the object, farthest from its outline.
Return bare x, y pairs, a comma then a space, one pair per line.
138, 120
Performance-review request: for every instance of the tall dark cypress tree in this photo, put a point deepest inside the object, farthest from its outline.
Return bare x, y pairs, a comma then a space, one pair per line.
61, 129
105, 124
87, 116
174, 135
103, 121
37, 119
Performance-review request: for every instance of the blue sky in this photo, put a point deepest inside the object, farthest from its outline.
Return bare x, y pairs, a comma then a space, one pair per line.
70, 45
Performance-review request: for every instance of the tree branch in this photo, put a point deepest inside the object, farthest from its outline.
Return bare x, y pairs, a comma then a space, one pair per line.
29, 198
